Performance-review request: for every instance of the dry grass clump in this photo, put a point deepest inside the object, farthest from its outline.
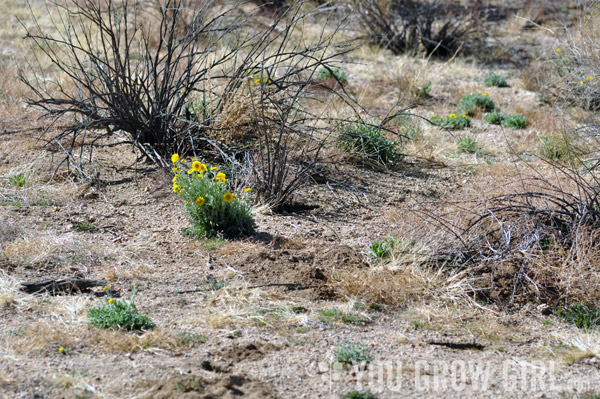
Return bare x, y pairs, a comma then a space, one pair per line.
52, 249
407, 278
118, 341
31, 184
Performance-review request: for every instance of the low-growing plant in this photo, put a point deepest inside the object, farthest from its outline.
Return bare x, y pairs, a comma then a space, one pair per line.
188, 338
190, 385
582, 315
352, 354
370, 142
120, 314
333, 73
358, 395
84, 227
494, 117
467, 145
18, 179
517, 121
381, 250
553, 147
452, 121
410, 127
471, 103
212, 208
495, 80
425, 91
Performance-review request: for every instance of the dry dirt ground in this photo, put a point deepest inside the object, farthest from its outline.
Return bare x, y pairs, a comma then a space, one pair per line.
262, 317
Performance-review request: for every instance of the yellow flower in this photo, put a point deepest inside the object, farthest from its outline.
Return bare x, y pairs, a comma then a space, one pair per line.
190, 171
199, 167
106, 288
176, 169
221, 177
228, 197
61, 349
176, 188
181, 191
580, 83
589, 78
175, 178
484, 95
557, 51
111, 300
199, 175
464, 115
247, 189
174, 158
199, 201
214, 168
257, 80
452, 116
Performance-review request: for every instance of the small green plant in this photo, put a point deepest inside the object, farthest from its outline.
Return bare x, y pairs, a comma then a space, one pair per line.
495, 80
84, 227
190, 385
370, 142
333, 73
352, 354
553, 147
583, 315
425, 91
358, 395
188, 338
18, 180
467, 145
452, 121
494, 117
334, 314
471, 103
119, 313
212, 209
381, 250
515, 121
410, 127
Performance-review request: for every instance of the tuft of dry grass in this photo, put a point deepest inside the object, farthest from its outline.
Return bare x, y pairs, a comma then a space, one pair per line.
118, 341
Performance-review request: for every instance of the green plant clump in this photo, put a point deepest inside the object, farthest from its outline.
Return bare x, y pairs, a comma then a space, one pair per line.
452, 121
495, 80
471, 103
515, 121
467, 145
381, 250
18, 180
553, 147
333, 73
583, 316
358, 395
84, 227
369, 141
213, 210
494, 117
352, 354
119, 313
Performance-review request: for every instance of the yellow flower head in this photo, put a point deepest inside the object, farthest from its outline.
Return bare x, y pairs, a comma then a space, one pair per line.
199, 167
214, 168
228, 197
106, 288
452, 116
175, 178
247, 189
176, 169
484, 95
464, 115
589, 78
174, 158
221, 177
557, 51
61, 349
176, 188
199, 201
199, 175
111, 300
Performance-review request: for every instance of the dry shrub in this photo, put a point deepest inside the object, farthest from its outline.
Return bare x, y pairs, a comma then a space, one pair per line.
409, 26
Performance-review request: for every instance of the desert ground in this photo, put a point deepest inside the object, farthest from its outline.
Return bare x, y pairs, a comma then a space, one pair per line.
380, 260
